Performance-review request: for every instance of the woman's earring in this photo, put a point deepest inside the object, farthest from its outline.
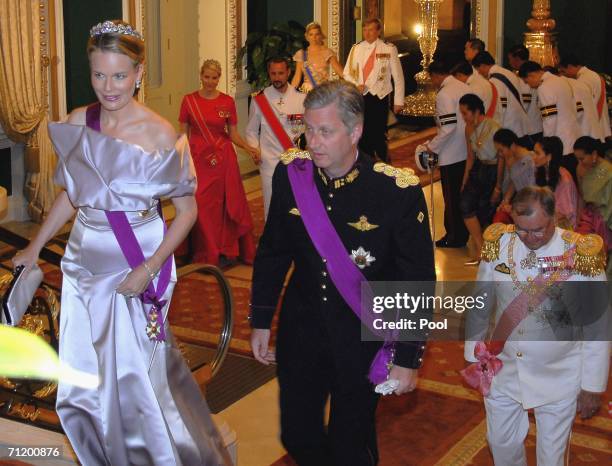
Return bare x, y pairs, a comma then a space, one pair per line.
138, 83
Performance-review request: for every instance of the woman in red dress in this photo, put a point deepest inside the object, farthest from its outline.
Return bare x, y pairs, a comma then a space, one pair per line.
224, 226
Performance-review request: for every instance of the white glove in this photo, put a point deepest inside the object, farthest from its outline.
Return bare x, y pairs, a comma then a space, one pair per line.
387, 387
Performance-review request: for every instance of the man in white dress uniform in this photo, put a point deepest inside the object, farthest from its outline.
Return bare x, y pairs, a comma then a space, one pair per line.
558, 109
572, 67
371, 65
287, 104
544, 366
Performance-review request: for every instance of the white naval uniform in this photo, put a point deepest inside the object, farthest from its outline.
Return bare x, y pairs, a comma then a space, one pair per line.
544, 375
514, 115
482, 88
449, 143
593, 80
558, 110
529, 97
586, 113
260, 134
386, 66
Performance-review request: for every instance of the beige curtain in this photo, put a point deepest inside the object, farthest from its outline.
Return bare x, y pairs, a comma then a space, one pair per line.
24, 96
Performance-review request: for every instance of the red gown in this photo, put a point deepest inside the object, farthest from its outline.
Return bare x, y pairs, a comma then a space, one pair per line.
224, 225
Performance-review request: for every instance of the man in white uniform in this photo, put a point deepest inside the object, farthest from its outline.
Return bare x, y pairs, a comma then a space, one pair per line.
514, 115
543, 369
558, 109
572, 67
516, 57
480, 86
450, 145
371, 65
288, 106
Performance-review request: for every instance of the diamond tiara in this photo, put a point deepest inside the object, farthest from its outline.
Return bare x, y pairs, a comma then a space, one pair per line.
108, 27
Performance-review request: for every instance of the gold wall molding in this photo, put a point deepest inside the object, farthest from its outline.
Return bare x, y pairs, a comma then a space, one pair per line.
334, 26
232, 45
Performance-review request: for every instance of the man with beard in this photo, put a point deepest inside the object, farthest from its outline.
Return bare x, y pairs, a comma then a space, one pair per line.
275, 119
342, 221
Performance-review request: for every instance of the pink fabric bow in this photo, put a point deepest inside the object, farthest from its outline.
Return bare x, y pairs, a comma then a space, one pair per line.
479, 375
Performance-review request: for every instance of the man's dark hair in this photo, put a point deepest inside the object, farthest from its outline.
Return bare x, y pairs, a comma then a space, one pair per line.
567, 60
278, 59
523, 201
529, 67
506, 137
519, 51
483, 58
463, 67
472, 102
588, 145
439, 67
477, 44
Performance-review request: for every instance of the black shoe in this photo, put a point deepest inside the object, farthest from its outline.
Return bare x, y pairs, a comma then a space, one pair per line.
445, 243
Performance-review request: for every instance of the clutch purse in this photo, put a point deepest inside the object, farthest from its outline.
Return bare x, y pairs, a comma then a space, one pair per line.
19, 294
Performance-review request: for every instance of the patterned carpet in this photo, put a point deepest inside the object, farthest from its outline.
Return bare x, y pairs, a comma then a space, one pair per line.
403, 157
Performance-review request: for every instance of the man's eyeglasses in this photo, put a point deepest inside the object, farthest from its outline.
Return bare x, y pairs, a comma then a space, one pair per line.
536, 233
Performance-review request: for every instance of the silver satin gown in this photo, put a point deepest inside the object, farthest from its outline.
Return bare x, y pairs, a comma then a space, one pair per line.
136, 416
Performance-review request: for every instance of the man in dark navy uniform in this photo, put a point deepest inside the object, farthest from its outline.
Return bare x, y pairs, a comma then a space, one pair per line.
379, 214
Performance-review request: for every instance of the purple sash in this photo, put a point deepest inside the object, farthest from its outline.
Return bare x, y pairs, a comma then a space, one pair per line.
133, 252
343, 272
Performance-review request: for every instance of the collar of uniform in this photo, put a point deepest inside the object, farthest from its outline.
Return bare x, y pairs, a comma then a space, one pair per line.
373, 45
547, 75
348, 178
447, 80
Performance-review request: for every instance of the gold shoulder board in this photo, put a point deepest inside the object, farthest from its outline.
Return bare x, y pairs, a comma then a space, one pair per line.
294, 153
590, 259
404, 177
491, 236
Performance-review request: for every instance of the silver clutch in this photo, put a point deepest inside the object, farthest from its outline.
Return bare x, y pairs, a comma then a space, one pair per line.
19, 294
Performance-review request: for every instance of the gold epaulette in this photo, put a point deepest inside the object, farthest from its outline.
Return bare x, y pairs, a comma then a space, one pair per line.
256, 93
294, 153
491, 236
404, 177
590, 258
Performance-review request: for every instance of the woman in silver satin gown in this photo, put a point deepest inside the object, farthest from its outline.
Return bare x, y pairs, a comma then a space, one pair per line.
117, 155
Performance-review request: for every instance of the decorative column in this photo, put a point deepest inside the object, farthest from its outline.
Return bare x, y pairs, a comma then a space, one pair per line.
540, 40
423, 102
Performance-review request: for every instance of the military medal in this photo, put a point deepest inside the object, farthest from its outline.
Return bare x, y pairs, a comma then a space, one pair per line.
362, 258
155, 324
223, 112
529, 262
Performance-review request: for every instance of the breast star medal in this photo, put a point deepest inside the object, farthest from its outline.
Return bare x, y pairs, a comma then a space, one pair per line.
362, 258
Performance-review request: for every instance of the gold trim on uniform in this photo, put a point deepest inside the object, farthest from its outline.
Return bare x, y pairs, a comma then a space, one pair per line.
420, 217
404, 177
294, 153
295, 211
590, 259
339, 182
362, 224
491, 237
